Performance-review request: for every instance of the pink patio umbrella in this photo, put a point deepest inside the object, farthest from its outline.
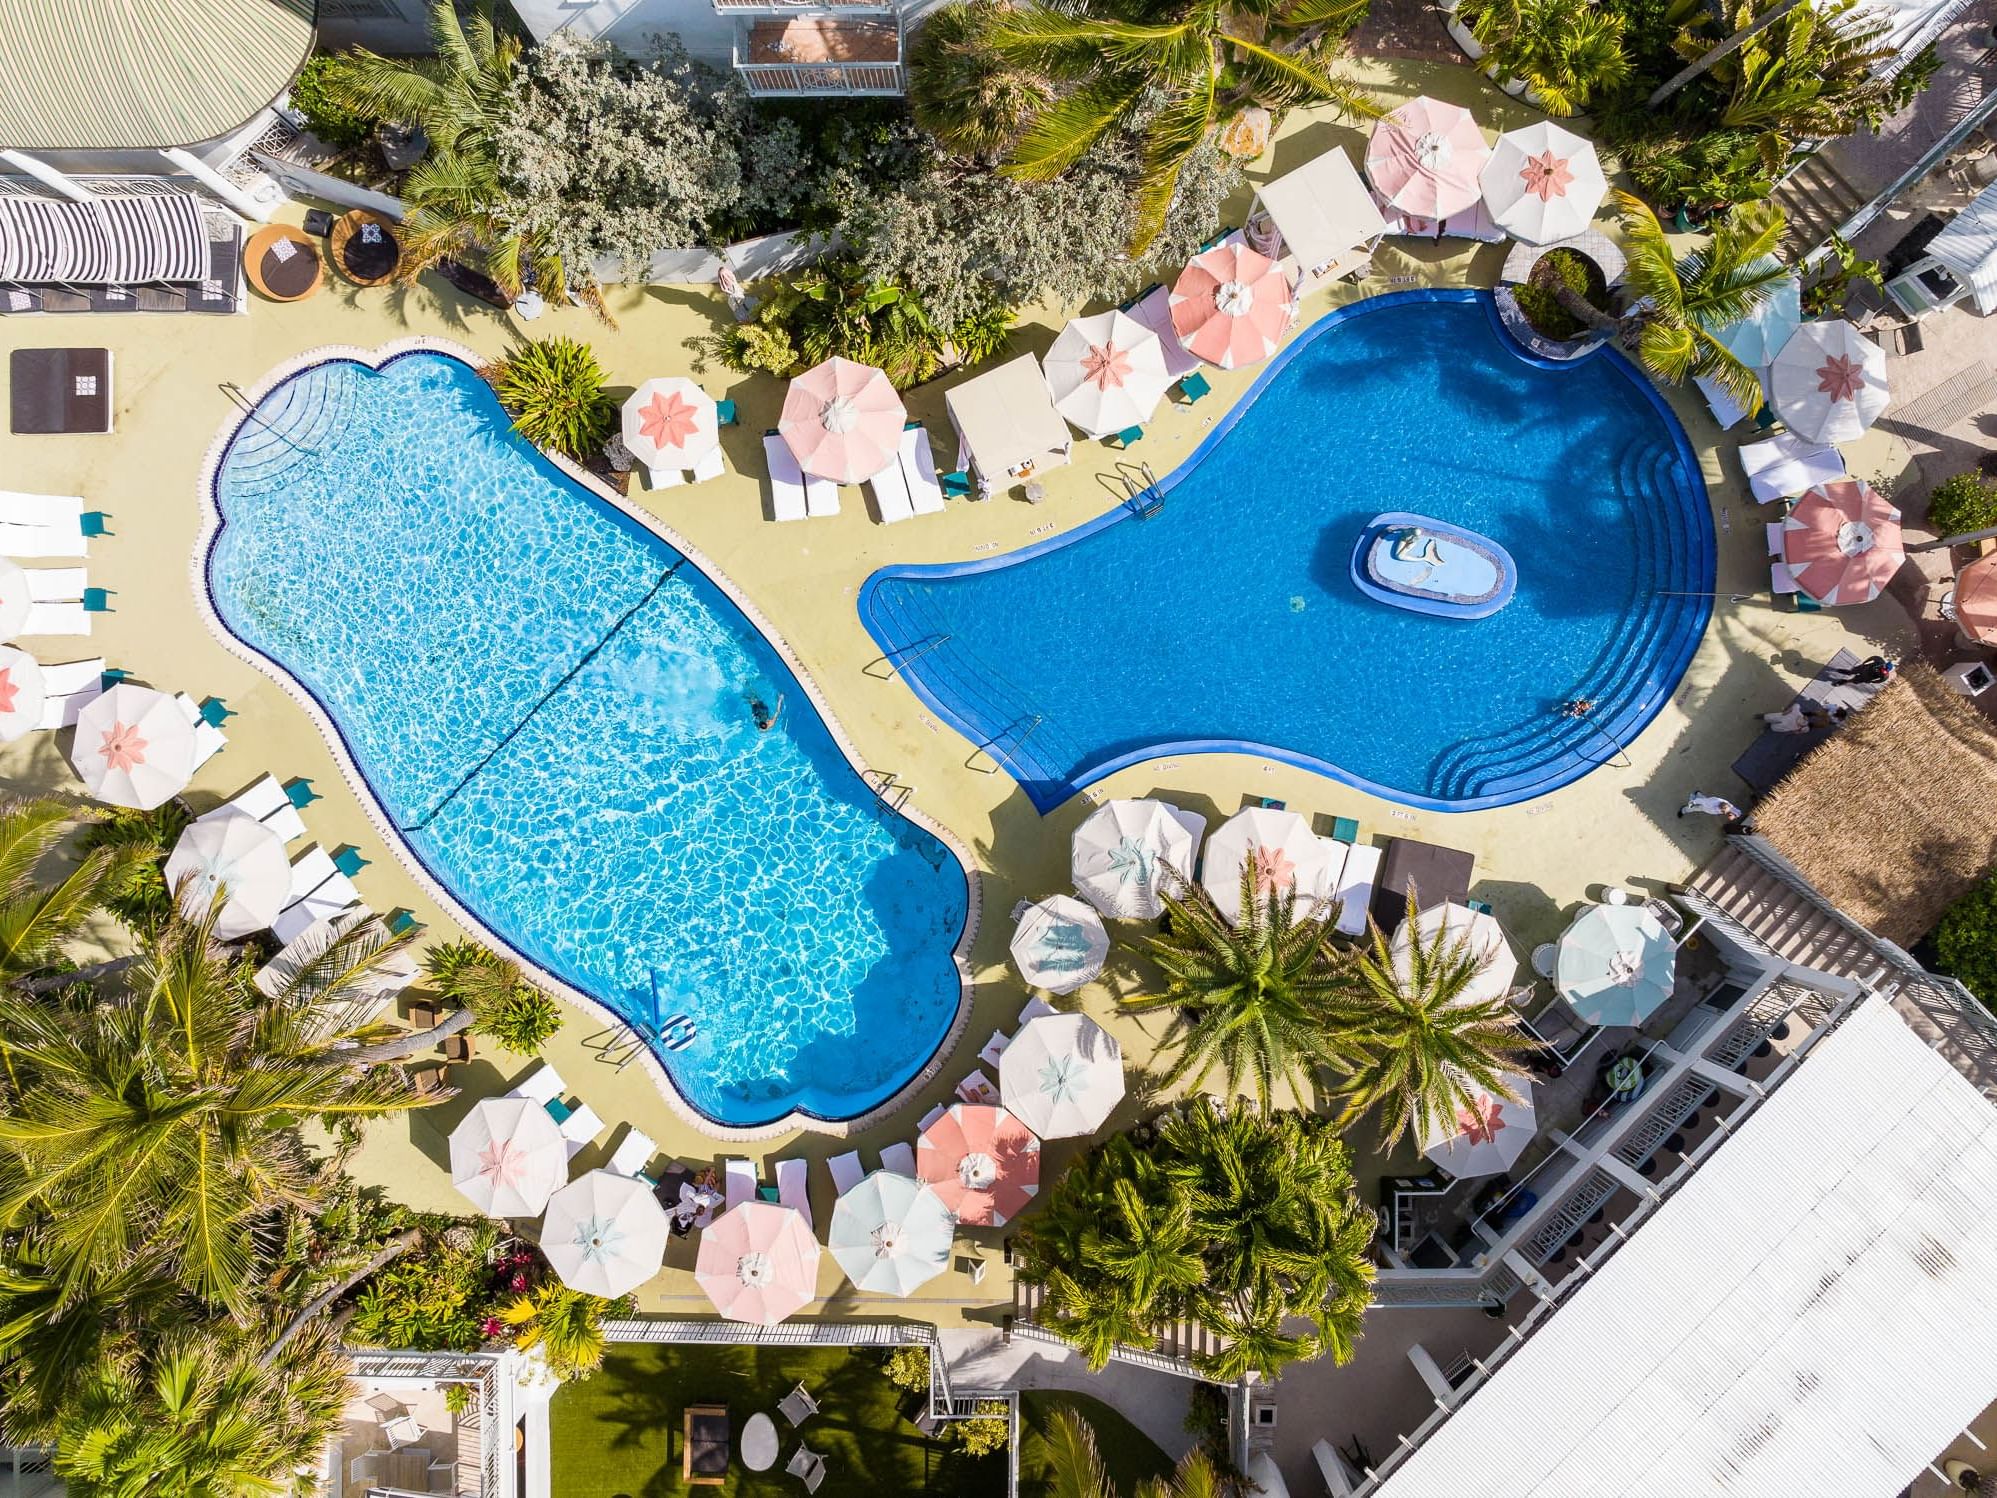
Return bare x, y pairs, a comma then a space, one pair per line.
1842, 542
758, 1263
1231, 306
982, 1161
1425, 157
133, 747
670, 423
843, 420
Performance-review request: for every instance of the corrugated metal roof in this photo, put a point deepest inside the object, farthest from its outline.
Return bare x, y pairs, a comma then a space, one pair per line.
1968, 246
114, 74
1813, 1312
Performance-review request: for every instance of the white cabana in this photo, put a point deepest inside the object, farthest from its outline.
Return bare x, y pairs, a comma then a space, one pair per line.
508, 1156
1121, 851
1489, 1134
133, 747
23, 693
1829, 381
1006, 424
891, 1234
237, 857
1285, 853
1106, 373
1061, 1075
605, 1234
1060, 944
1319, 217
1542, 183
1968, 248
1497, 966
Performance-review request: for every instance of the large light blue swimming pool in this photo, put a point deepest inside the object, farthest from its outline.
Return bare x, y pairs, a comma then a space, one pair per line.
1227, 618
560, 712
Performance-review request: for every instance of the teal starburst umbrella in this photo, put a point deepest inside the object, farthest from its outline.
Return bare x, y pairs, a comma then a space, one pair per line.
1616, 965
891, 1234
1061, 1075
604, 1234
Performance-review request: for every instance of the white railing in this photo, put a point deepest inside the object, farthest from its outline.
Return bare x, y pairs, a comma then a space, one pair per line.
821, 77
805, 7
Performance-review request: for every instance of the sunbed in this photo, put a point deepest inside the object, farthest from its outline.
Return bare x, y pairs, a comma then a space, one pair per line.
23, 542
19, 508
821, 496
542, 1085
1035, 1007
634, 1153
787, 500
899, 1157
68, 689
1355, 887
791, 1189
209, 740
1788, 464
331, 898
846, 1172
57, 619
265, 800
918, 471
931, 1117
995, 1048
891, 496
664, 478
711, 466
740, 1178
57, 584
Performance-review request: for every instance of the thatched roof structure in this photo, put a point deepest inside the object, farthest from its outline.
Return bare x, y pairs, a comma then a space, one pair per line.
1895, 815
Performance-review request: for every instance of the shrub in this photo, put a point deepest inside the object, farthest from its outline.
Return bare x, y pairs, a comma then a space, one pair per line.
1966, 942
522, 1021
985, 1432
145, 903
1962, 504
1543, 310
554, 391
327, 116
908, 1368
510, 1010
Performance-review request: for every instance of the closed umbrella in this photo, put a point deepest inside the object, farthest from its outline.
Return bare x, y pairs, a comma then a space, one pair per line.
670, 423
1829, 382
1061, 1075
1842, 542
1615, 965
1475, 932
508, 1157
1488, 1134
235, 856
758, 1263
1757, 338
982, 1161
14, 599
1425, 158
1060, 944
1280, 848
133, 747
1231, 306
891, 1234
1127, 852
1542, 183
604, 1234
843, 421
23, 693
1106, 373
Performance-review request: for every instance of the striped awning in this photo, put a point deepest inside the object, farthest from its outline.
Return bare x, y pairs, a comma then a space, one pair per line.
109, 241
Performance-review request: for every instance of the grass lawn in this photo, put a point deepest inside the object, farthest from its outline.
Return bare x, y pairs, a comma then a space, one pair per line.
617, 1434
1128, 1453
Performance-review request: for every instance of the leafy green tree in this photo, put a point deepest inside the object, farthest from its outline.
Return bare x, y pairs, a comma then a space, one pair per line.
970, 97
1424, 1051
553, 388
1254, 1002
566, 1324
1962, 503
1966, 942
1566, 51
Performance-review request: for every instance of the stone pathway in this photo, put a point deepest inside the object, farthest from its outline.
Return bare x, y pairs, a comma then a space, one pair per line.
1154, 1402
1405, 28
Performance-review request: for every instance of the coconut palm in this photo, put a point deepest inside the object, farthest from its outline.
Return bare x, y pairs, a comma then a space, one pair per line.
1110, 62
1252, 1001
566, 1324
969, 97
1424, 1051
39, 917
1077, 1470
1566, 51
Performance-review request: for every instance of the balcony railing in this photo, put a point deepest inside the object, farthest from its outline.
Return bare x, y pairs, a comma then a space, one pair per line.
821, 77
805, 7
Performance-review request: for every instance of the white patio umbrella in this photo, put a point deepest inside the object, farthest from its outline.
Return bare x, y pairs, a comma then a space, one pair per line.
1060, 944
1497, 967
14, 599
1106, 373
236, 856
605, 1234
1121, 852
1542, 183
1829, 382
1487, 1136
133, 747
1061, 1075
891, 1234
507, 1157
22, 693
1283, 851
670, 423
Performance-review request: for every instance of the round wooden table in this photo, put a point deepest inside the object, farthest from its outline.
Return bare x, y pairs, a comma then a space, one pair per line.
759, 1442
283, 263
365, 248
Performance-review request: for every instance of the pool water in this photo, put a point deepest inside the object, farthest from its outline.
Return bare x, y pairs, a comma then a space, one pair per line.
561, 714
1225, 618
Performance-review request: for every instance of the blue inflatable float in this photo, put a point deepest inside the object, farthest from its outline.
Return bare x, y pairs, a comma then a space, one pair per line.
1432, 567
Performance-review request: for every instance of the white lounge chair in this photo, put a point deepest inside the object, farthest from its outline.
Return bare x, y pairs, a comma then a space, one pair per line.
821, 496
787, 500
69, 688
1781, 581
664, 478
995, 1048
1775, 538
634, 1154
1355, 887
542, 1085
793, 1191
56, 619
740, 1180
25, 541
579, 1126
930, 1118
264, 799
977, 1088
1788, 464
333, 898
1726, 410
891, 497
712, 465
58, 510
209, 740
846, 1172
899, 1157
918, 471
57, 584
309, 870
1035, 1007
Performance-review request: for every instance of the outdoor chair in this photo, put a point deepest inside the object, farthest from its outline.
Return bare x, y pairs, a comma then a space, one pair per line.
846, 1172
724, 413
1127, 436
1194, 386
542, 1085
711, 466
1345, 829
899, 1158
807, 1466
92, 523
634, 1153
995, 1048
300, 793
793, 1192
214, 711
930, 1118
918, 470
349, 861
740, 1175
798, 1406
956, 484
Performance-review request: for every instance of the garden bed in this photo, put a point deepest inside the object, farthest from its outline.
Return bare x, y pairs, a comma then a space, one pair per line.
1540, 307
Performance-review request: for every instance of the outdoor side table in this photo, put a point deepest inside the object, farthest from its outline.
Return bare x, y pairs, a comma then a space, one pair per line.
282, 263
364, 247
759, 1442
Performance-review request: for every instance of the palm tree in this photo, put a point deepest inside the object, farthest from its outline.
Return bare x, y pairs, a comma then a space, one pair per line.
566, 1324
1424, 1050
163, 1120
1110, 62
1566, 51
969, 97
1254, 1001
1078, 1470
38, 919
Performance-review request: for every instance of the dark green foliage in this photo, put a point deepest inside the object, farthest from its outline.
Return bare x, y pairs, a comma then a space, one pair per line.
327, 113
145, 839
1962, 504
1966, 942
510, 1009
554, 391
1539, 305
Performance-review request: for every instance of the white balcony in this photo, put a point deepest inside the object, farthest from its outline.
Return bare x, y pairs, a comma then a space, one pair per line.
819, 55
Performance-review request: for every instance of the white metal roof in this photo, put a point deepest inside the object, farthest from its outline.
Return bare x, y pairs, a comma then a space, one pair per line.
1911, 26
1006, 416
1968, 247
1322, 209
1813, 1312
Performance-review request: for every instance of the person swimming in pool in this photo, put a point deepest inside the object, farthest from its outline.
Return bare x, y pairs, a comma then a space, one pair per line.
765, 716
1580, 707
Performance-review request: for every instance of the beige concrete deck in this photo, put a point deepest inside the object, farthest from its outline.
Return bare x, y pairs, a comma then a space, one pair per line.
1534, 861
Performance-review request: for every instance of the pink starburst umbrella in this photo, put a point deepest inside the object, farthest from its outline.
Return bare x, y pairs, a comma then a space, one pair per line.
133, 747
508, 1157
1829, 381
22, 693
1488, 1134
1106, 373
1231, 306
1424, 158
758, 1263
670, 423
982, 1161
1542, 183
1842, 542
843, 421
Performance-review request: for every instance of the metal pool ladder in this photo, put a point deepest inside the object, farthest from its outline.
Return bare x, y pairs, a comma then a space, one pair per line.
1146, 498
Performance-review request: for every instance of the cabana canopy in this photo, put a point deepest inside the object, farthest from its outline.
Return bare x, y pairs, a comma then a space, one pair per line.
1328, 221
116, 241
1968, 247
1006, 423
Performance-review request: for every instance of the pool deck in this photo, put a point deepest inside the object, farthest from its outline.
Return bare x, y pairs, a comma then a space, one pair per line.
1534, 860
